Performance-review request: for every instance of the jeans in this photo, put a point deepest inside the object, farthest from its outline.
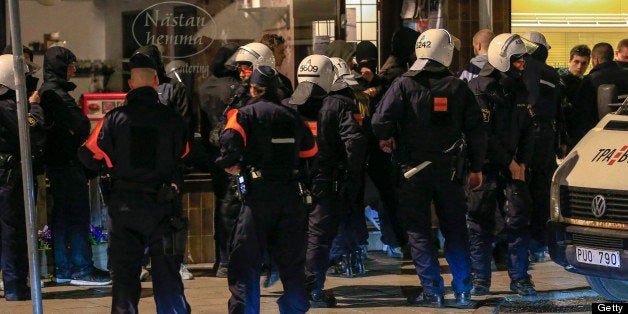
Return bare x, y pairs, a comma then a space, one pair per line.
70, 221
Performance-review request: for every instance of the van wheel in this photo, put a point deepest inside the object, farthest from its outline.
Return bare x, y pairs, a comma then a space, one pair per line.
610, 289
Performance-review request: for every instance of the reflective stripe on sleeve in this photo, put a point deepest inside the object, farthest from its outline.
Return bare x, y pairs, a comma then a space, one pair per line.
310, 152
92, 145
287, 140
232, 123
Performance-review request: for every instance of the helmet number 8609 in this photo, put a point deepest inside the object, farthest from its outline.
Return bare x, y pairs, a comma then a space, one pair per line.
308, 68
424, 44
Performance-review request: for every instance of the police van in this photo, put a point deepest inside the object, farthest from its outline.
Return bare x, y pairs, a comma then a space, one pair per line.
588, 224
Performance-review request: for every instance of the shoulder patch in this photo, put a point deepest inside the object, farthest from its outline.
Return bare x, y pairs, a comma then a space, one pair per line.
31, 120
530, 110
486, 115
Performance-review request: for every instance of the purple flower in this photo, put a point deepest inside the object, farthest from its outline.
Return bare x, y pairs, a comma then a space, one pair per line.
44, 237
96, 235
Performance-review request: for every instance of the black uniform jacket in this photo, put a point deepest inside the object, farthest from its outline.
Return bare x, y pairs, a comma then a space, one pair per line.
267, 136
427, 112
341, 143
507, 116
142, 142
9, 136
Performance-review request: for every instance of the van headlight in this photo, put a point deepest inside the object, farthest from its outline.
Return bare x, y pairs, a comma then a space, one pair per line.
560, 176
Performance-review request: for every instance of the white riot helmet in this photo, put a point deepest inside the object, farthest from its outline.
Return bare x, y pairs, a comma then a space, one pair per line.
255, 54
502, 48
343, 77
173, 68
7, 79
314, 70
436, 45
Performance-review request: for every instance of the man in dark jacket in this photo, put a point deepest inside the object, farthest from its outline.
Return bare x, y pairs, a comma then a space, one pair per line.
13, 253
262, 144
570, 82
67, 128
544, 93
604, 71
336, 171
378, 163
422, 119
143, 144
401, 53
507, 116
215, 94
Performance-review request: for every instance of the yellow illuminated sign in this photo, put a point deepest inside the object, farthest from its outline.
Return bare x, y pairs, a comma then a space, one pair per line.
570, 6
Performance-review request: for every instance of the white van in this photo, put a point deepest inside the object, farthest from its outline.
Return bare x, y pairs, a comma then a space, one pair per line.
588, 224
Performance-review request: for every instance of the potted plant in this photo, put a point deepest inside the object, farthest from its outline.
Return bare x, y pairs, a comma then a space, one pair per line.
98, 240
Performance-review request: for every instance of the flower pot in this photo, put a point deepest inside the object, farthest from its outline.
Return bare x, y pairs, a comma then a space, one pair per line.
99, 255
43, 263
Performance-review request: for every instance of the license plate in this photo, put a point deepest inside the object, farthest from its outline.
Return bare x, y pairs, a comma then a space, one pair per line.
598, 257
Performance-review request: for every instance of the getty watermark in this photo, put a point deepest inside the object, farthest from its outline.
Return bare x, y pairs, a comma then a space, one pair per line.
178, 35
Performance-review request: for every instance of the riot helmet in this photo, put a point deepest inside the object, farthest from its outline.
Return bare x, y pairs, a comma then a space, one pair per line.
436, 45
7, 79
315, 72
343, 77
504, 49
253, 54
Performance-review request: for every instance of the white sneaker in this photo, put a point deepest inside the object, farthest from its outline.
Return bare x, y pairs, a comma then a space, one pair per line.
185, 273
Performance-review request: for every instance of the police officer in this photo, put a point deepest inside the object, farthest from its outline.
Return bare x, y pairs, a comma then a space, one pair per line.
142, 144
422, 119
507, 117
341, 156
347, 254
67, 127
13, 256
543, 84
262, 145
173, 94
244, 60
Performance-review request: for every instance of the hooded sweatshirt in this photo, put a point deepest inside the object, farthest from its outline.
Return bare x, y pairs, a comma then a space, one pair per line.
473, 68
67, 127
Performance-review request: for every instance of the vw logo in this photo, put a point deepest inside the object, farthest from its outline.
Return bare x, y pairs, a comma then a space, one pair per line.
598, 206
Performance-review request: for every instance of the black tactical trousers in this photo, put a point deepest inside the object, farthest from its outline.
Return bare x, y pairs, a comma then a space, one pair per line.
272, 220
137, 223
13, 255
499, 192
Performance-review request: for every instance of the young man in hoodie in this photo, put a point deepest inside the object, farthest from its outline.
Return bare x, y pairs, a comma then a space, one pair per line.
67, 128
481, 40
